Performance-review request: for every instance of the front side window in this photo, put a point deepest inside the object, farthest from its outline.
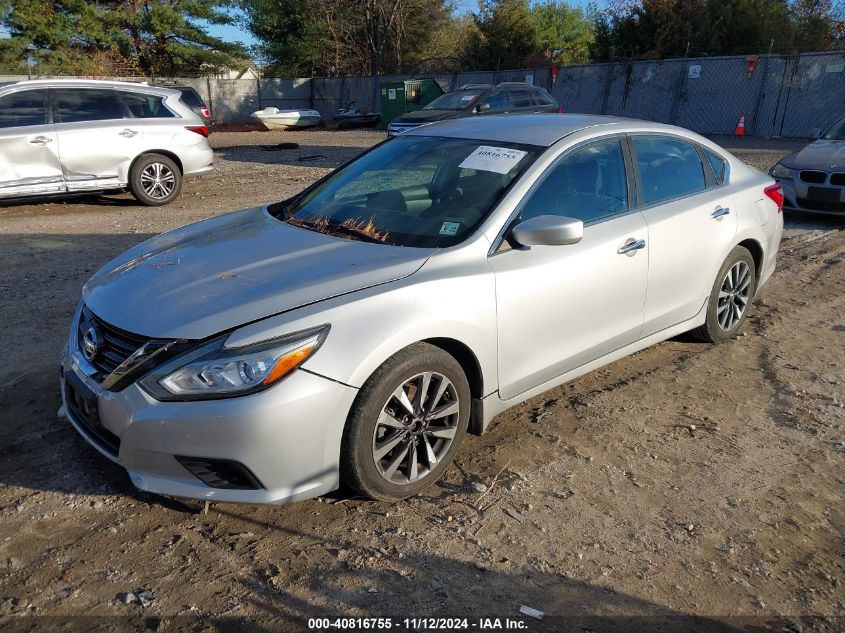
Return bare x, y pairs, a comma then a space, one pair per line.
145, 106
520, 98
23, 108
668, 168
411, 191
76, 105
589, 184
496, 102
837, 132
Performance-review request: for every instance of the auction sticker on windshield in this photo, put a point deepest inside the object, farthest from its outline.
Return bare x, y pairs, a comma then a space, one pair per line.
499, 160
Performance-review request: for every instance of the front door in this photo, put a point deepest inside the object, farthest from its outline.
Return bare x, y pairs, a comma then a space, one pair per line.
29, 160
97, 137
560, 307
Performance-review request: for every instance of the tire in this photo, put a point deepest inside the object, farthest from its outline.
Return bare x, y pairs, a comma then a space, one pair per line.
143, 184
370, 430
729, 301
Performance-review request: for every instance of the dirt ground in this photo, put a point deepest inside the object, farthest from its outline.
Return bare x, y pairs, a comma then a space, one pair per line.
688, 479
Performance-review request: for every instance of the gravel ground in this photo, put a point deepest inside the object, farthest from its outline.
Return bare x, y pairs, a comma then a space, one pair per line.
687, 479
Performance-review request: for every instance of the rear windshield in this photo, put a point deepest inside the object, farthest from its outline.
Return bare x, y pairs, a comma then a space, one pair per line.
455, 100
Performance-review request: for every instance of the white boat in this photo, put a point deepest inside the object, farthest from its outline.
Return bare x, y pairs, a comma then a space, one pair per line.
275, 119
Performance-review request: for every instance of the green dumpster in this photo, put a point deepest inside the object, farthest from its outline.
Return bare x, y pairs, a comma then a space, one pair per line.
399, 97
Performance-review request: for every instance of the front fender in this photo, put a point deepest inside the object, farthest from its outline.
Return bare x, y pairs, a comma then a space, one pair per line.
369, 326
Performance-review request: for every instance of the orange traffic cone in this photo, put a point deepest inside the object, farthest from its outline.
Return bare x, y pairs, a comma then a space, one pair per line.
740, 127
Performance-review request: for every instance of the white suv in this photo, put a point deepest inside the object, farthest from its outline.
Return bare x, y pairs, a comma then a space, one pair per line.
68, 135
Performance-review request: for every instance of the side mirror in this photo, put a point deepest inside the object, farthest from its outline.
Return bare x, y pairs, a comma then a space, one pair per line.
481, 107
548, 230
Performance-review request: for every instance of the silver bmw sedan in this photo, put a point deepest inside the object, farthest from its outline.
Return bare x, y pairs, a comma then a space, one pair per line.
357, 331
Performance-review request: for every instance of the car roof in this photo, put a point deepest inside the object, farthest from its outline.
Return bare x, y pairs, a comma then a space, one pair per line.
530, 129
91, 83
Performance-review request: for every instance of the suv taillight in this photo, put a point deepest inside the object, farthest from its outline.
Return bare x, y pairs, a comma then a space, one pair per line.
775, 192
205, 113
198, 129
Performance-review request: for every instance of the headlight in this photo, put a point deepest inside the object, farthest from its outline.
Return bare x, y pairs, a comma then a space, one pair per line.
213, 371
779, 171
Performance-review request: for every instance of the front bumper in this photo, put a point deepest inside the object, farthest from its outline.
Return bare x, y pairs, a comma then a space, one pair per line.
797, 198
288, 436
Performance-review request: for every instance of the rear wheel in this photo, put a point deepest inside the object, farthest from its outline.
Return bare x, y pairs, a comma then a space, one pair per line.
155, 180
406, 425
730, 297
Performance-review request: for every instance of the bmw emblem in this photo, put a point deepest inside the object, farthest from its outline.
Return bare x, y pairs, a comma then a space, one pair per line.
91, 343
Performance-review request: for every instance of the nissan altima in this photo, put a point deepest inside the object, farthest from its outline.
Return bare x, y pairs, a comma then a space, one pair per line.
357, 331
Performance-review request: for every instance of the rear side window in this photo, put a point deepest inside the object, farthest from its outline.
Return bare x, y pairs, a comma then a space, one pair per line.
144, 106
669, 168
717, 164
23, 108
76, 105
543, 98
589, 185
190, 98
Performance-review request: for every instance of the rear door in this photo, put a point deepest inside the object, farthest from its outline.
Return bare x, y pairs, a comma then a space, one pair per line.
29, 160
98, 137
690, 224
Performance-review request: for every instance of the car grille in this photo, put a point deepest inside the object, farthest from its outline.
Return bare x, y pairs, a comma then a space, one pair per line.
838, 180
115, 346
813, 176
82, 405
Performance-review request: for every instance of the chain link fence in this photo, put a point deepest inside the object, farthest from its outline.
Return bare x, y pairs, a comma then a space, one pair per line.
790, 96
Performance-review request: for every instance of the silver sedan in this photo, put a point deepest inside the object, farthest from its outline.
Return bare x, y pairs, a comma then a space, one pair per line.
357, 331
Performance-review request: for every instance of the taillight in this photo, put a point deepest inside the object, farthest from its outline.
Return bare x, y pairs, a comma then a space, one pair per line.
560, 110
205, 113
198, 129
775, 192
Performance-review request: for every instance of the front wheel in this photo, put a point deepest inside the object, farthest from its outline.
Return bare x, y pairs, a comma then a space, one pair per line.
730, 297
155, 180
406, 424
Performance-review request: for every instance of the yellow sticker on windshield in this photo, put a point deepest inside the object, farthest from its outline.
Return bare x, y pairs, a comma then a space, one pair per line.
499, 160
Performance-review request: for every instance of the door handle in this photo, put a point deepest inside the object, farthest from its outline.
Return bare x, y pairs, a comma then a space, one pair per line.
127, 133
41, 140
631, 246
719, 213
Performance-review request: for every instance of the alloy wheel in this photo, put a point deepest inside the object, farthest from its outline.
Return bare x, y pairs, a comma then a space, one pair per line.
733, 296
158, 180
415, 428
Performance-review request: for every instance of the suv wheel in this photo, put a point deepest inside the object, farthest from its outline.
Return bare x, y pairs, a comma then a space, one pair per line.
155, 180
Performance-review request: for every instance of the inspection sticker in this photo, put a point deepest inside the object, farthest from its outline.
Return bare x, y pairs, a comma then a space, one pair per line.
449, 228
499, 160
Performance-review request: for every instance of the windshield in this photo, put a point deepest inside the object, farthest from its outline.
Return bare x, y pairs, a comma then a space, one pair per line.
411, 191
837, 132
455, 100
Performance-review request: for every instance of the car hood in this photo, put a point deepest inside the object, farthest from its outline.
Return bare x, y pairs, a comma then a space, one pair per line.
428, 116
821, 154
233, 269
